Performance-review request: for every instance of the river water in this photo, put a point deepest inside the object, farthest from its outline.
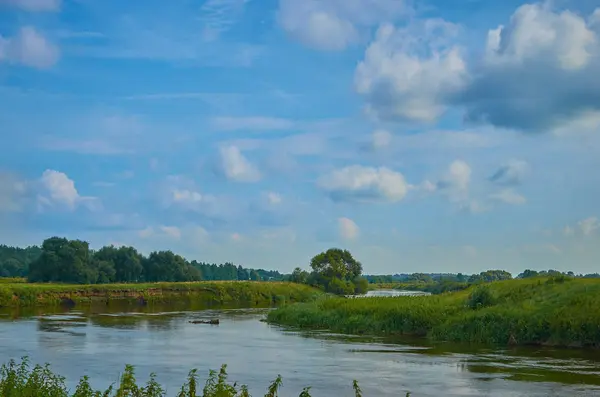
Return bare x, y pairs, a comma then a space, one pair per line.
99, 341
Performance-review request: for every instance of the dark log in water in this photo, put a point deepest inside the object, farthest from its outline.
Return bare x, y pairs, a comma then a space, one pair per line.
211, 322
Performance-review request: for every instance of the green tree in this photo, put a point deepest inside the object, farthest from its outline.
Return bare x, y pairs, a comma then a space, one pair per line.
335, 271
126, 261
167, 266
63, 260
299, 276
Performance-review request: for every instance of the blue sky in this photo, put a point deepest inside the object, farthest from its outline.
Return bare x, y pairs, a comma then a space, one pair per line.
452, 136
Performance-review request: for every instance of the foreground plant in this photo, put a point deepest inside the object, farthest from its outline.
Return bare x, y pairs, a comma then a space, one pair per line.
23, 380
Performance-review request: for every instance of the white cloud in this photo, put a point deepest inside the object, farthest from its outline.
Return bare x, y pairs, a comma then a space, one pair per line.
589, 225
236, 167
30, 48
333, 25
348, 229
365, 184
538, 72
58, 190
509, 196
251, 123
456, 180
400, 83
568, 231
34, 5
511, 173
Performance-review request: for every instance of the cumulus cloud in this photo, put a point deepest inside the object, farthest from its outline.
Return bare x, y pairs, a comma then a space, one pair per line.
333, 25
57, 190
30, 48
359, 183
348, 229
537, 73
402, 81
236, 167
509, 196
511, 173
34, 5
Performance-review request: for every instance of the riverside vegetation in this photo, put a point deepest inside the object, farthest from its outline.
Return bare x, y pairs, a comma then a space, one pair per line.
558, 311
248, 293
22, 380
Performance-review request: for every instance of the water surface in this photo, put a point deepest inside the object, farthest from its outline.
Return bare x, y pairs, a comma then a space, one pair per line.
99, 341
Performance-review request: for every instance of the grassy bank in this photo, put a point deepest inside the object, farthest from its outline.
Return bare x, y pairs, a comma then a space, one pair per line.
22, 380
213, 292
555, 311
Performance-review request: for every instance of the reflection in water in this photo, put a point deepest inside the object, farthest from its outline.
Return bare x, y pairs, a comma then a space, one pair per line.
101, 339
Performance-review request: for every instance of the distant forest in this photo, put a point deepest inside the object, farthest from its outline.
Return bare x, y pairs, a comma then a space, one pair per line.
72, 261
487, 276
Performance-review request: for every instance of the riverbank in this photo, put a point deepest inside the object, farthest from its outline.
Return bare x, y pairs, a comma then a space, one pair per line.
556, 311
250, 293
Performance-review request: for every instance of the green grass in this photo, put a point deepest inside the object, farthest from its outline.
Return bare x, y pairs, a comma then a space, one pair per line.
556, 311
23, 380
212, 292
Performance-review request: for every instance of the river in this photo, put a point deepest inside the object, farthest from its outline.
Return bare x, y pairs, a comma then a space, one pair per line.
99, 341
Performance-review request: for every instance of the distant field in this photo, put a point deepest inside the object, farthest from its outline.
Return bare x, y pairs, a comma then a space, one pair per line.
557, 311
217, 292
12, 280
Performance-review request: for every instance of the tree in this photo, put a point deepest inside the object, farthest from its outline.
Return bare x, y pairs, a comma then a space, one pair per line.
65, 261
299, 276
126, 262
336, 271
167, 266
528, 274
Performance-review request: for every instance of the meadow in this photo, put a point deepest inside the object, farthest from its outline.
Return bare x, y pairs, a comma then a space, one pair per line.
555, 311
249, 293
23, 380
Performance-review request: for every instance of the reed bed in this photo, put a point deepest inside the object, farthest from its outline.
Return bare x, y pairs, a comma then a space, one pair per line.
557, 311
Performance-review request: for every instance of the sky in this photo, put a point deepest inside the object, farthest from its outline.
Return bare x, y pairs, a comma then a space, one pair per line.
421, 135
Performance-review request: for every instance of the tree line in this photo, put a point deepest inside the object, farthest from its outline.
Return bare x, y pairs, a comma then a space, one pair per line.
486, 276
72, 261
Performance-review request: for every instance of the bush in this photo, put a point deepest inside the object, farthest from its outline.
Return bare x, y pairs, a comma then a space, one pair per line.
481, 297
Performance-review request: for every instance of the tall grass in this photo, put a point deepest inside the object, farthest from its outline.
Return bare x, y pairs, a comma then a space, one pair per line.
217, 292
558, 311
23, 380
